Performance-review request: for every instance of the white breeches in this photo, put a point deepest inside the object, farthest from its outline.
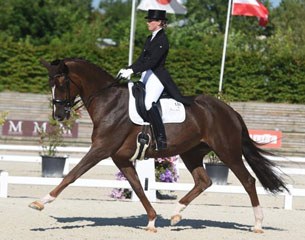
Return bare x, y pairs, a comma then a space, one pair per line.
153, 86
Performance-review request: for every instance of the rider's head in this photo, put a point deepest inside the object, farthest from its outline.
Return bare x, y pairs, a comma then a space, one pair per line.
156, 19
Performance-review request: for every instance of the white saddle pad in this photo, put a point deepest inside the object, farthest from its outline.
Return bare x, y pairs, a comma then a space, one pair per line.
172, 111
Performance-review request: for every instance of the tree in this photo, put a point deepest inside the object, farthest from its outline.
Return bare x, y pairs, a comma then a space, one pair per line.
116, 19
288, 20
41, 20
262, 64
207, 10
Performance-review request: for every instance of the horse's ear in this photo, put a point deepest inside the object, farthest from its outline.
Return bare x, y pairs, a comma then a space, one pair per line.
45, 63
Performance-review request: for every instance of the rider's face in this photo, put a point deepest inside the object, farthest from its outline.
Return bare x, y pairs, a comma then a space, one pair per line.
153, 25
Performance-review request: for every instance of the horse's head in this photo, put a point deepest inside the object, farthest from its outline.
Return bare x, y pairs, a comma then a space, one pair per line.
59, 81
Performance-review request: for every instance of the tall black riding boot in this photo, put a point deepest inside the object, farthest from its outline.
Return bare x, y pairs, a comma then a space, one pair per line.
158, 127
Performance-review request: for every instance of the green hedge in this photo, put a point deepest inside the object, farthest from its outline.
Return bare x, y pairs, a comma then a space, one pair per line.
249, 75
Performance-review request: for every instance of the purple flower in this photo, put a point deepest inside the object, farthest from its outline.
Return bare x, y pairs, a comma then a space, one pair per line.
117, 193
167, 176
166, 170
120, 193
120, 176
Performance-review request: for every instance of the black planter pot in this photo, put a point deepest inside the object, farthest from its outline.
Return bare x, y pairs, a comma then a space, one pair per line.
218, 173
52, 166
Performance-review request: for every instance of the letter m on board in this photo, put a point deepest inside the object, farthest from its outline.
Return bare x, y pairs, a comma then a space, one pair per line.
15, 129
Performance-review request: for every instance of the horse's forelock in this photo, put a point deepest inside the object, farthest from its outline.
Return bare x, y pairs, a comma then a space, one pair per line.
60, 65
56, 62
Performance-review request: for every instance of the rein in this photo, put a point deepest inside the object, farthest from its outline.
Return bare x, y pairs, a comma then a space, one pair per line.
91, 97
68, 104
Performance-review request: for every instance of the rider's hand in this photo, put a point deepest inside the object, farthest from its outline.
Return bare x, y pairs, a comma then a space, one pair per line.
120, 73
125, 73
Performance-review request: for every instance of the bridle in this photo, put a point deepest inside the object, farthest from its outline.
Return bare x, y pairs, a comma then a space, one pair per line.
67, 102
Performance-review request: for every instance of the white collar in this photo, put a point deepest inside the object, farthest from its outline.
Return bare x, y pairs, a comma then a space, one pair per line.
154, 33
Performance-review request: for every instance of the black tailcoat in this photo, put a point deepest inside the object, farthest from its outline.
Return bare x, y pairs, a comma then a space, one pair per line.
153, 57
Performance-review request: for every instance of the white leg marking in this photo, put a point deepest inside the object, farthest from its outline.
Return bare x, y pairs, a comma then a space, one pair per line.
259, 216
47, 199
176, 215
151, 224
179, 208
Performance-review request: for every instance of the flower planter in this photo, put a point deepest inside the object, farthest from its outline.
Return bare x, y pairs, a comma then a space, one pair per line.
218, 173
53, 166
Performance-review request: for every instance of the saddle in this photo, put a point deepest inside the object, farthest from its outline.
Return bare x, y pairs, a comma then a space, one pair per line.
169, 109
139, 91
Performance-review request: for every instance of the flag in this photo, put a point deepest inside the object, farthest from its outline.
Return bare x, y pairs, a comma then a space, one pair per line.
170, 6
251, 8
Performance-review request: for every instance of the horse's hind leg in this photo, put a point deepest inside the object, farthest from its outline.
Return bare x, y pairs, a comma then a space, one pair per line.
248, 183
239, 169
193, 162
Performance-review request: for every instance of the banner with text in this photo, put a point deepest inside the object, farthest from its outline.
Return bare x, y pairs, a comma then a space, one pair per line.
27, 128
271, 138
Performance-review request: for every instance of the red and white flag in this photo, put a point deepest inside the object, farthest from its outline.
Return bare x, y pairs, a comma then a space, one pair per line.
170, 6
251, 8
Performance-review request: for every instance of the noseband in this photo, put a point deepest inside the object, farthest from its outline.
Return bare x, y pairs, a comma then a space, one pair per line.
67, 102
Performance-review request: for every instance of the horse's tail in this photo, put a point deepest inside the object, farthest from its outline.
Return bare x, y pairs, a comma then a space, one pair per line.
264, 169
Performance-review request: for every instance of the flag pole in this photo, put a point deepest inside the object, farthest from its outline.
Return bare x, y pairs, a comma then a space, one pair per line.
132, 31
225, 47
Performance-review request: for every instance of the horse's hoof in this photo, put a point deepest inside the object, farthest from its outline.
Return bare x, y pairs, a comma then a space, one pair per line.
255, 230
151, 226
151, 229
37, 205
175, 219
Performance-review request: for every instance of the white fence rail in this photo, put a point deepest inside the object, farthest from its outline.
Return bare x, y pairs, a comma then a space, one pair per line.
147, 180
84, 150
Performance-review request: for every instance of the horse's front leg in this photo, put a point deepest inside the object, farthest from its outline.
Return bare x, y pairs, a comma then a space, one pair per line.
128, 169
87, 162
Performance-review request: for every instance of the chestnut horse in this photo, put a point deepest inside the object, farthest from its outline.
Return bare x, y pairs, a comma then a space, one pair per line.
210, 125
